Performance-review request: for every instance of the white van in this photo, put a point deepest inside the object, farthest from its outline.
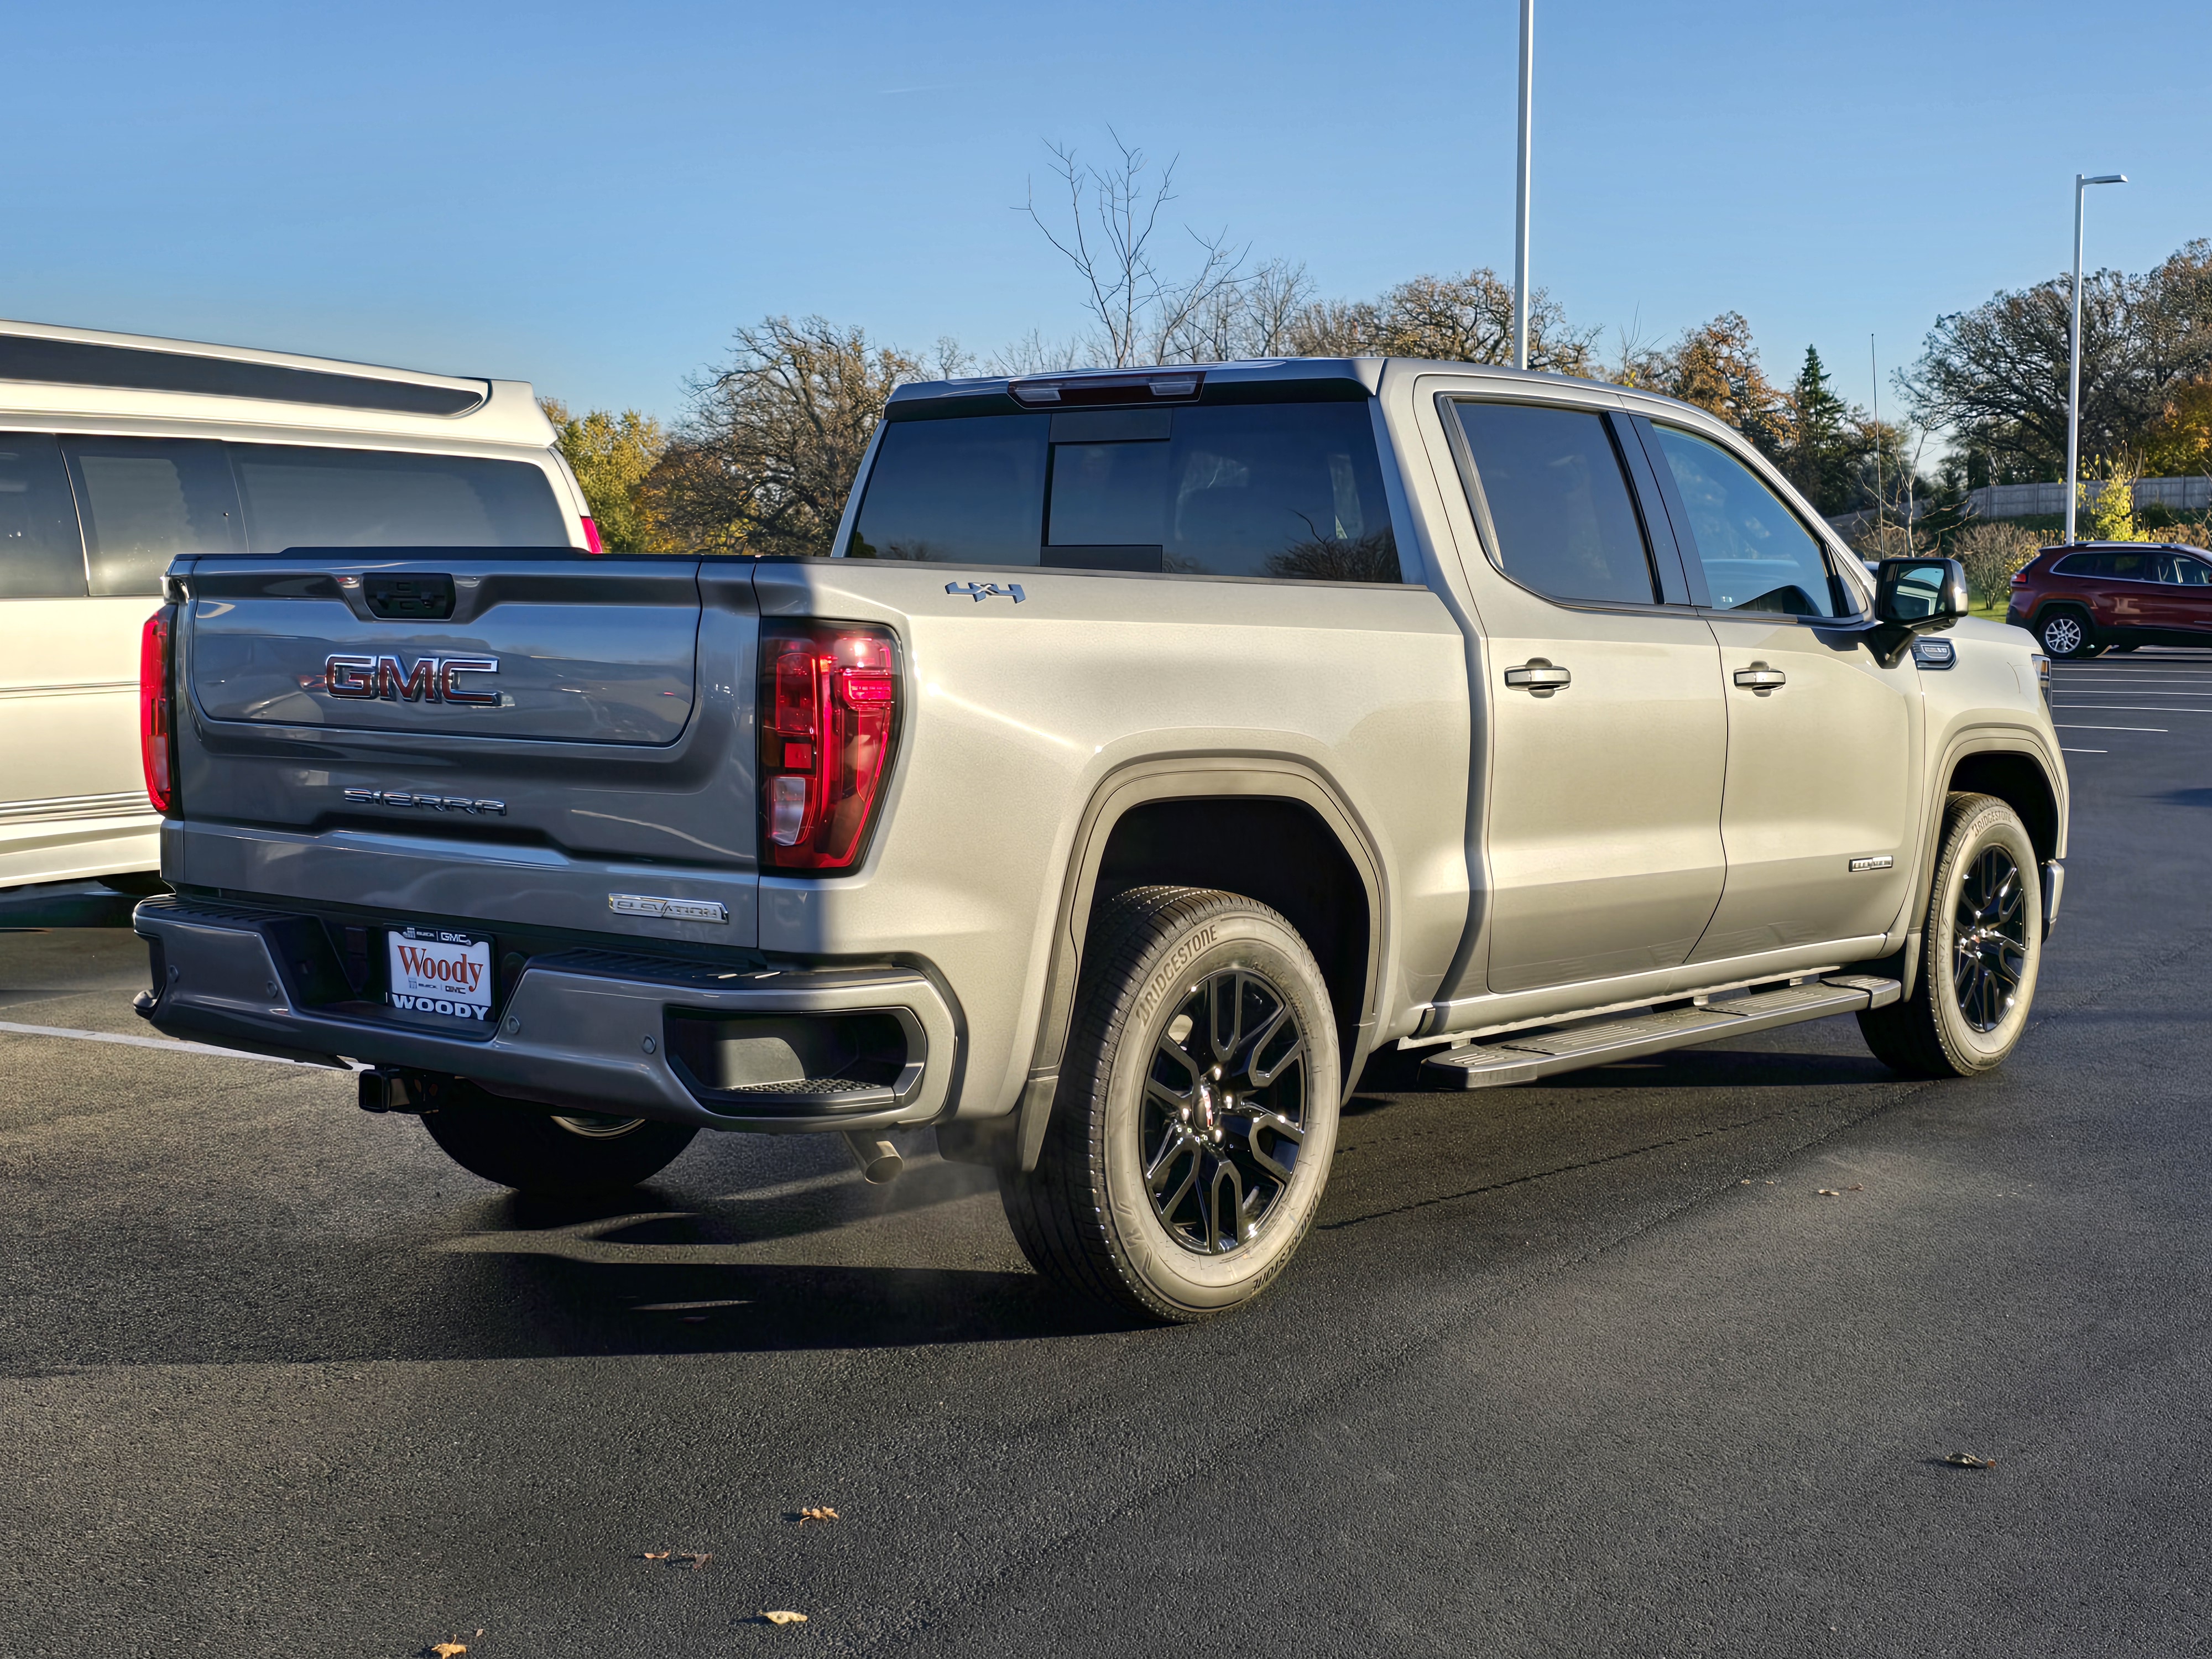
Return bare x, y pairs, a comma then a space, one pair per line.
118, 452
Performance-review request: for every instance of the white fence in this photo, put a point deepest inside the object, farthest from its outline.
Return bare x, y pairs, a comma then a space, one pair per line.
2020, 500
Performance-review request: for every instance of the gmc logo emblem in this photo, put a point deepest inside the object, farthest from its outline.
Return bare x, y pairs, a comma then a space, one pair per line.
431, 680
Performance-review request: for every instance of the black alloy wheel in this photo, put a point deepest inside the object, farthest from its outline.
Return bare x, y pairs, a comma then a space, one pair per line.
1224, 1111
1191, 1134
1980, 943
1989, 940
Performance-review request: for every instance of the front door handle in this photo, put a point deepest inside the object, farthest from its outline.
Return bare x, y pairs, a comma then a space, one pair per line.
1760, 678
1538, 677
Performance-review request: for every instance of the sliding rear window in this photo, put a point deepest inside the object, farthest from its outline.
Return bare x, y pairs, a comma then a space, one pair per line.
1290, 491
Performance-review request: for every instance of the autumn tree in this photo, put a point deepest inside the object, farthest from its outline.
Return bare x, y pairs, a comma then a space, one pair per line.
762, 462
612, 455
2179, 441
1994, 377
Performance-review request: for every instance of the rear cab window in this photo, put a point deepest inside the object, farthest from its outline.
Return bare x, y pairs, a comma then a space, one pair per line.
1287, 491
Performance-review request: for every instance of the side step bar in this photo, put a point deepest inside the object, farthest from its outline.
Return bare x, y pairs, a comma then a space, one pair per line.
1524, 1056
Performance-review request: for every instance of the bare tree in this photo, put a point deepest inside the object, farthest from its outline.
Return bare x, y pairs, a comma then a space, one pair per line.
1113, 218
765, 459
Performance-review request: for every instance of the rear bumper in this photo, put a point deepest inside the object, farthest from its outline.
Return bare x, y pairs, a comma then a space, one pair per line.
590, 1030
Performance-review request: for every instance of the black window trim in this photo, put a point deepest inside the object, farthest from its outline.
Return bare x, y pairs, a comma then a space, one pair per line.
1648, 523
1861, 618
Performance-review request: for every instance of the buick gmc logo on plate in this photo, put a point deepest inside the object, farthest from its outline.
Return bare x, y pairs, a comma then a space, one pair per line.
435, 971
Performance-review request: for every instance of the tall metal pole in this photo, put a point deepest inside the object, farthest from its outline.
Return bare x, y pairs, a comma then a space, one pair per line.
1520, 188
2081, 183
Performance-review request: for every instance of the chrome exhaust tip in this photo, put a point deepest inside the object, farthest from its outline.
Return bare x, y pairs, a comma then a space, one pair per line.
876, 1156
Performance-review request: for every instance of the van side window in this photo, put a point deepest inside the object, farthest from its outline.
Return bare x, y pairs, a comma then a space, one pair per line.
41, 554
145, 501
297, 495
1756, 555
1565, 523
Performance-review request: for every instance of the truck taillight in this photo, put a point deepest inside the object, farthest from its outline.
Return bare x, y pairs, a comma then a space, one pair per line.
829, 708
592, 544
157, 719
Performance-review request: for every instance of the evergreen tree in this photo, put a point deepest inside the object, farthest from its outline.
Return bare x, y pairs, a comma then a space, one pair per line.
1822, 461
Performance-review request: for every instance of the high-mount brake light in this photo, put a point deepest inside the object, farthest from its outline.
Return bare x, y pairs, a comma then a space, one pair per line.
1135, 386
829, 708
157, 719
591, 537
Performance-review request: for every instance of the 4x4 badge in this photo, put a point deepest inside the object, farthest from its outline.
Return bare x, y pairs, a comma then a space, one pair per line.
980, 592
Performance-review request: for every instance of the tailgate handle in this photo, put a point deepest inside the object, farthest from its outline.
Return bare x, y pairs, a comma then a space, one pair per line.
408, 598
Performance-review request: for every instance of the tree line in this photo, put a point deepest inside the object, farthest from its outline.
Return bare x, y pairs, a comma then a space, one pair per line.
771, 436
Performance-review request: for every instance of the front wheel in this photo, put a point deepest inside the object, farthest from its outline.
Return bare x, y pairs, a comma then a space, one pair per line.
1981, 946
1196, 1115
568, 1155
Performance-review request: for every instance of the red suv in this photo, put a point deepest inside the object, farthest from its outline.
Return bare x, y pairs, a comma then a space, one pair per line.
2097, 596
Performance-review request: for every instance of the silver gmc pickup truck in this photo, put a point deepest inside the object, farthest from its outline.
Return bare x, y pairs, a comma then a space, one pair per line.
1155, 748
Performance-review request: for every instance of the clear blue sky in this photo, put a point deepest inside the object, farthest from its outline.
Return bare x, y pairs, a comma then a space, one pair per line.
590, 197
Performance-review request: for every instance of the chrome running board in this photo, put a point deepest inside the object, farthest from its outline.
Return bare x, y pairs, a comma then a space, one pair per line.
1524, 1056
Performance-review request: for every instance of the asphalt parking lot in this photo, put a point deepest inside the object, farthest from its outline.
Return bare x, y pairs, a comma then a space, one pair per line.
1663, 1358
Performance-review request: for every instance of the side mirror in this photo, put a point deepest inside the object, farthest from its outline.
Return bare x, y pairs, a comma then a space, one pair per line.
1920, 594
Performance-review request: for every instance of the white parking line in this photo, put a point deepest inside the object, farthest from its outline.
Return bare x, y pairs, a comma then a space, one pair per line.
2063, 750
14, 1030
2130, 709
2074, 726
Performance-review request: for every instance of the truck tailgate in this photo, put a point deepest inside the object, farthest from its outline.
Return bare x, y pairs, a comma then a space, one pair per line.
525, 704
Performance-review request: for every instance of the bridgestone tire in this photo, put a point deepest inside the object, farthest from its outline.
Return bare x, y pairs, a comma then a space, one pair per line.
532, 1152
1928, 1034
1086, 1217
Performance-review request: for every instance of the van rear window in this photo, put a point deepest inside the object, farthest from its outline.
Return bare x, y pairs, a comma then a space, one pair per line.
295, 495
41, 554
1292, 491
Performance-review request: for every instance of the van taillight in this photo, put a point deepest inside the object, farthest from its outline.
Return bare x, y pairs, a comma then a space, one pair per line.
157, 722
829, 708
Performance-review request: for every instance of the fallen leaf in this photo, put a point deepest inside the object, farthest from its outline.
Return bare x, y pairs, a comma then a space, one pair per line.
1855, 1187
1830, 1192
450, 1650
785, 1618
804, 1515
1968, 1461
694, 1559
1746, 1182
656, 1555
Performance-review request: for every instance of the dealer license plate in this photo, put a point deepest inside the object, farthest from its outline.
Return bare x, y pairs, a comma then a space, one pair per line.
437, 971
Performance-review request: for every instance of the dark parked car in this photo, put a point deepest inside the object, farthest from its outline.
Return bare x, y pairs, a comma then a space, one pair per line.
2097, 596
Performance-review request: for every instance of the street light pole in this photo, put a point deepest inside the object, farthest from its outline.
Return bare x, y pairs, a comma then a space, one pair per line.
2081, 183
1520, 188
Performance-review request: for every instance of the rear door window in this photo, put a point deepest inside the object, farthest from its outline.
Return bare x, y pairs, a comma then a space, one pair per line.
1756, 555
41, 554
147, 500
1560, 513
2131, 566
1289, 491
296, 496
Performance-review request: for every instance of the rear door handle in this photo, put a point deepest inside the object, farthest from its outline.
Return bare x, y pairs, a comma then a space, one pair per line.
1538, 676
1761, 679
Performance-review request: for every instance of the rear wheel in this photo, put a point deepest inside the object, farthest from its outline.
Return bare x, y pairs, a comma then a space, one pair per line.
567, 1155
1197, 1116
1981, 946
2067, 633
